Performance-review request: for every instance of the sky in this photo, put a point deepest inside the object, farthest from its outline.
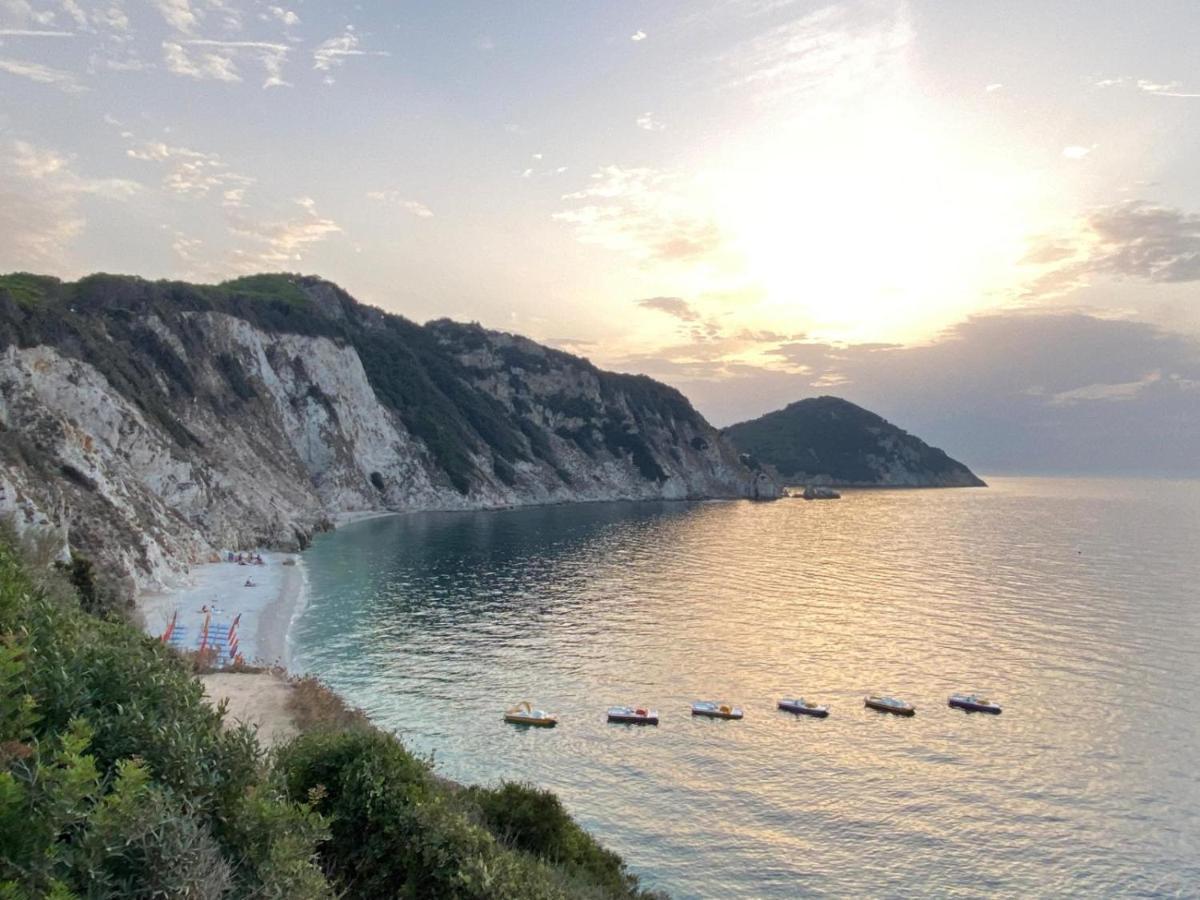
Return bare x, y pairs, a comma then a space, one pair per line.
979, 219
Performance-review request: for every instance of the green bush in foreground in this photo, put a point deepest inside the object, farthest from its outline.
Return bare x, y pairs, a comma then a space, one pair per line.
117, 780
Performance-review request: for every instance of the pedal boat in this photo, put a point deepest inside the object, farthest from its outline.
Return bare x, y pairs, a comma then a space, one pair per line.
972, 703
714, 710
804, 708
633, 715
524, 714
890, 705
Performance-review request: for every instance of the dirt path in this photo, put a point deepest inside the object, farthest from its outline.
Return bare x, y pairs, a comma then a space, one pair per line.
258, 699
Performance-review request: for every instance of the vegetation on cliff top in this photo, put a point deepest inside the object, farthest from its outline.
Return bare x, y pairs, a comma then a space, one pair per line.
117, 780
831, 438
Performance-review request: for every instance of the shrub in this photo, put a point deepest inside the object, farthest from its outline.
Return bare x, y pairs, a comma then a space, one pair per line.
116, 779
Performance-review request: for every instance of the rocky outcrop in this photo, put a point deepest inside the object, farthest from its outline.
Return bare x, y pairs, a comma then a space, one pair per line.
827, 440
151, 423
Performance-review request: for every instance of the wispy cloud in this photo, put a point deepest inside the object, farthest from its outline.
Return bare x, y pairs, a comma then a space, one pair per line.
41, 198
213, 60
1076, 151
638, 36
418, 209
191, 173
647, 122
186, 15
33, 33
676, 307
333, 53
837, 49
643, 212
281, 243
1148, 86
64, 81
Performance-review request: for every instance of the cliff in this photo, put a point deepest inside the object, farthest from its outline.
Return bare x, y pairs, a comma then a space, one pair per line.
152, 422
826, 440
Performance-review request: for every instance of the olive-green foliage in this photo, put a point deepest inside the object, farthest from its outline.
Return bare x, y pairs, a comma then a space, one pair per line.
116, 780
397, 831
535, 821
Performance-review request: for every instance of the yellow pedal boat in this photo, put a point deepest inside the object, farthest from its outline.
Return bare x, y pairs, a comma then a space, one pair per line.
524, 714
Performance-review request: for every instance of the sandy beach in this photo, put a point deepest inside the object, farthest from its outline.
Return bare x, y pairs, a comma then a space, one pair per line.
218, 592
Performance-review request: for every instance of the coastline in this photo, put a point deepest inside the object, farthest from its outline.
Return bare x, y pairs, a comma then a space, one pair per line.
217, 591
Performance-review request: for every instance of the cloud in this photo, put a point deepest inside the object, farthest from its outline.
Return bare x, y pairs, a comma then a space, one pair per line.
1075, 151
1020, 391
28, 32
1147, 86
418, 209
333, 53
645, 213
672, 306
214, 66
1169, 89
993, 87
204, 59
838, 50
286, 16
649, 123
191, 173
41, 205
280, 243
21, 13
178, 14
1135, 239
485, 42
638, 36
41, 74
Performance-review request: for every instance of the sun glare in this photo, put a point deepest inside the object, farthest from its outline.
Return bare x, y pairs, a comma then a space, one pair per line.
877, 228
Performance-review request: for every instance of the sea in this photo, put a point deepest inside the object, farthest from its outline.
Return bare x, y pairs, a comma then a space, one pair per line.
1074, 603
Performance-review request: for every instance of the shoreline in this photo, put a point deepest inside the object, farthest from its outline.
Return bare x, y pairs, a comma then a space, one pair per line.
217, 592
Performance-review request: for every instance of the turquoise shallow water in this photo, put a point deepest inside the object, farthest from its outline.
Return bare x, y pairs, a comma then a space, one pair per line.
1075, 603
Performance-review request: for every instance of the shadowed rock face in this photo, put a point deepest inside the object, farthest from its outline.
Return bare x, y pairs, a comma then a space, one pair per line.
152, 422
825, 440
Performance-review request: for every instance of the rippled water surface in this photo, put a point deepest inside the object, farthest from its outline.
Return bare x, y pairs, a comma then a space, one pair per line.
1075, 603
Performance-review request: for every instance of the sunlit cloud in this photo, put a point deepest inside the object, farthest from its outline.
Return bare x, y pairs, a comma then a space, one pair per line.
637, 36
277, 244
1075, 151
672, 306
191, 173
643, 212
41, 197
418, 209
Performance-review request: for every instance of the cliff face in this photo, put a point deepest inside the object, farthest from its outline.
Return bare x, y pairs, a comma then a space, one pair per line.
826, 440
150, 423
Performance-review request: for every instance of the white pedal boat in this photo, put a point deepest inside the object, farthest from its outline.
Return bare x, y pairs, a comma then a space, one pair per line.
973, 703
890, 705
633, 715
714, 710
803, 707
524, 714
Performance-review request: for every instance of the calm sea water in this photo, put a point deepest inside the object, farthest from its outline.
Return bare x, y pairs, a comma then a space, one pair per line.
1075, 603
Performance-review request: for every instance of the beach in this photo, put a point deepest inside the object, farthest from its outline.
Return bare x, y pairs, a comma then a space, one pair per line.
218, 592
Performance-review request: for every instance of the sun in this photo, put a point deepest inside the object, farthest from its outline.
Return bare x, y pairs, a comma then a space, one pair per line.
877, 226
